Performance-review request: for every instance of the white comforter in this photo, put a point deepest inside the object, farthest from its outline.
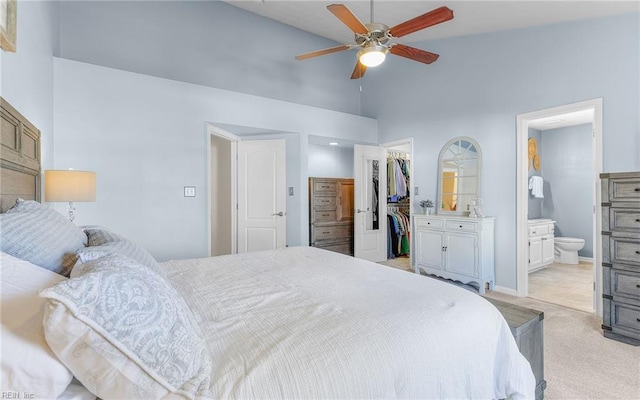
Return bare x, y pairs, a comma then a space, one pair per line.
303, 323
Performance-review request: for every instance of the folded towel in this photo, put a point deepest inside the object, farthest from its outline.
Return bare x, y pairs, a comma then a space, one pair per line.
536, 184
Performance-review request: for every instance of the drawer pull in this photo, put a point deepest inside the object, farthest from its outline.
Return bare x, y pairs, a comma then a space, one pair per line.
637, 251
637, 189
326, 233
638, 285
460, 226
638, 220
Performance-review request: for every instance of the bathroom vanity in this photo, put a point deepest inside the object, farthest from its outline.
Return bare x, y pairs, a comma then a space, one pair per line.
541, 243
621, 256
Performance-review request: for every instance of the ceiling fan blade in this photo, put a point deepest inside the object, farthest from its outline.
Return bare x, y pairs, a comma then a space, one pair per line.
431, 18
358, 71
413, 53
322, 52
348, 18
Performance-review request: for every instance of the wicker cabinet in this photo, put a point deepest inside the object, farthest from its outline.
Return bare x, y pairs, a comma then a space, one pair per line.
621, 256
331, 214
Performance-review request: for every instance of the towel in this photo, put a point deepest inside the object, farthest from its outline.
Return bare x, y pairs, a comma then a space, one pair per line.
535, 184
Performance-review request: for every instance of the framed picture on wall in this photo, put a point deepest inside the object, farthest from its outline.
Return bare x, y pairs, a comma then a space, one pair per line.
8, 20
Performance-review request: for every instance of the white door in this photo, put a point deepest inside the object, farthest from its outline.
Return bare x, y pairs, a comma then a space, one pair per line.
262, 207
370, 194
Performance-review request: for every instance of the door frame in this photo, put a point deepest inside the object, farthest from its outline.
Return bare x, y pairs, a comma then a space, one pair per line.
212, 130
522, 250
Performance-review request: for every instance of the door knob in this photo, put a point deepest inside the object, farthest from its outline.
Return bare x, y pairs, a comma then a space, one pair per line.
360, 211
280, 214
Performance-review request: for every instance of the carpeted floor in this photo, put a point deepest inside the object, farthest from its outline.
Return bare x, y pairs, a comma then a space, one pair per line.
579, 362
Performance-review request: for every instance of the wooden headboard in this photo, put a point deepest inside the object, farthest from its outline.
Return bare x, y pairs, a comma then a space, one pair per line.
19, 157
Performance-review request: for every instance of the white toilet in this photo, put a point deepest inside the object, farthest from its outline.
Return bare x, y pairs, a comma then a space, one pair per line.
566, 249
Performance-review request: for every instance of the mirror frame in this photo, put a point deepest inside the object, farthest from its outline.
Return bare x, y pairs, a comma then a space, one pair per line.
446, 147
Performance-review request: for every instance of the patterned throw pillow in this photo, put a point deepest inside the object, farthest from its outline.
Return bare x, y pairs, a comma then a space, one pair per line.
125, 332
41, 235
102, 241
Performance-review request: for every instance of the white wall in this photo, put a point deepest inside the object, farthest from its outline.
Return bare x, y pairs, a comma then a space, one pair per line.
330, 161
145, 137
26, 76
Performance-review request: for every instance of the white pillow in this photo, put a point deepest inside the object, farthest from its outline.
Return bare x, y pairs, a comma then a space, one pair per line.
125, 332
28, 364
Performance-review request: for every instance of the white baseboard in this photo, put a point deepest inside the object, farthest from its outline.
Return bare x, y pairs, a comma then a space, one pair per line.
505, 290
585, 259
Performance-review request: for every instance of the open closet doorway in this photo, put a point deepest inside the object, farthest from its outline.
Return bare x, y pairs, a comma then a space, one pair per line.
399, 208
559, 162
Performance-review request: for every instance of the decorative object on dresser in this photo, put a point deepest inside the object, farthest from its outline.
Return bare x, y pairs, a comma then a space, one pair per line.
527, 328
69, 186
541, 243
455, 247
621, 256
331, 214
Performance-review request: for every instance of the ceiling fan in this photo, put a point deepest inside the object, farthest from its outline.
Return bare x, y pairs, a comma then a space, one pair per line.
376, 40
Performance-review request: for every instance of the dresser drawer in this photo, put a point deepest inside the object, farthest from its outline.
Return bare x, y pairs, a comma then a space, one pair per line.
429, 223
625, 283
320, 187
624, 219
325, 216
624, 189
625, 250
344, 248
324, 201
333, 232
625, 317
462, 226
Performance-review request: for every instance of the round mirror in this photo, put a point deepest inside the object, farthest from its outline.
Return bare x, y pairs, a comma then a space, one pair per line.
458, 175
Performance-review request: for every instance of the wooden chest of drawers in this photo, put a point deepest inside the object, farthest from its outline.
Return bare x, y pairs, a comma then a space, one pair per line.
621, 256
331, 214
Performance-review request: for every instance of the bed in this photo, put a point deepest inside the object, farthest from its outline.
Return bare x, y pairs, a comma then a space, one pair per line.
87, 312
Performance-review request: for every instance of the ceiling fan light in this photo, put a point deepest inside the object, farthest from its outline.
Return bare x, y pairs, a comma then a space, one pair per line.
372, 55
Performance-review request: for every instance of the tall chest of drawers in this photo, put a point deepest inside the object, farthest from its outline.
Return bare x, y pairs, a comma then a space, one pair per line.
331, 214
621, 256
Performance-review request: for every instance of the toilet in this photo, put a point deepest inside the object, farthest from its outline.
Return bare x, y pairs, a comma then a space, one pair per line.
566, 249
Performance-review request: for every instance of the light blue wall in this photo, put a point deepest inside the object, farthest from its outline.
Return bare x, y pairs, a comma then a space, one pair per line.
480, 83
209, 43
27, 75
569, 190
476, 88
330, 161
145, 137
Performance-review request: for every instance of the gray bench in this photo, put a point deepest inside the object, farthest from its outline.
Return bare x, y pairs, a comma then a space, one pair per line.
526, 327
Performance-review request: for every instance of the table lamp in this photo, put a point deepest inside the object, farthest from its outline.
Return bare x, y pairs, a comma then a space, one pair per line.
69, 185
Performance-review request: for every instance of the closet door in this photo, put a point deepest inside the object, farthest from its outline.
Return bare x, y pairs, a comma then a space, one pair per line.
370, 239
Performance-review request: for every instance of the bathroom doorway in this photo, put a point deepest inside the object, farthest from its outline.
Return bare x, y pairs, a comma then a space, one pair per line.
567, 162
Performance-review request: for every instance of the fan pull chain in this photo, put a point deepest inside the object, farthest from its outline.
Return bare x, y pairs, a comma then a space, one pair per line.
371, 11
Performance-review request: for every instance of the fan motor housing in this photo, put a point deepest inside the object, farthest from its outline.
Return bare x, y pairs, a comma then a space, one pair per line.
377, 33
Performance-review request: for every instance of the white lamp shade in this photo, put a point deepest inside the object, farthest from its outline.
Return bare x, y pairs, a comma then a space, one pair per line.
69, 185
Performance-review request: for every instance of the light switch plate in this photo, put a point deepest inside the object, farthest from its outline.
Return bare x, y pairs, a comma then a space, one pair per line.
189, 191
416, 191
290, 190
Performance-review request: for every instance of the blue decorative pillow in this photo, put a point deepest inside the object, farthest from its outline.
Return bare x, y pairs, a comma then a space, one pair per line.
41, 235
125, 332
102, 241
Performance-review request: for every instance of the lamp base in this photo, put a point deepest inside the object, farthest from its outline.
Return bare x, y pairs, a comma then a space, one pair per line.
70, 210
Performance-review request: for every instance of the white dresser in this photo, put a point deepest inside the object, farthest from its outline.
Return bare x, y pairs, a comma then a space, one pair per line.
541, 243
455, 247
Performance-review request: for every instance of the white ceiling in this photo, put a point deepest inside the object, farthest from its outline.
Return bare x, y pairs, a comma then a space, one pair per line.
470, 17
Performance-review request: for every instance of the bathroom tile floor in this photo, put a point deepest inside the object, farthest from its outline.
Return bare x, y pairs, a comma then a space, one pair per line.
565, 285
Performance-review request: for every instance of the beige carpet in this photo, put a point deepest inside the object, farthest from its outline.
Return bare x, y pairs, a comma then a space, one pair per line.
580, 363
